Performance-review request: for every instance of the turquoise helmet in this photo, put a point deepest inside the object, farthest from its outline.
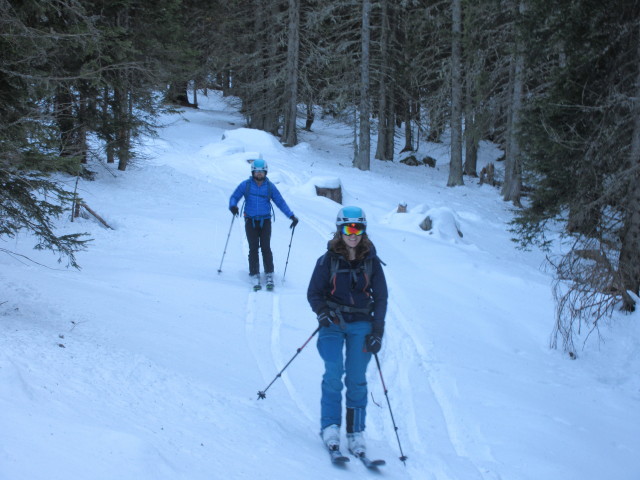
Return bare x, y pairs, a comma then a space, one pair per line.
351, 215
259, 165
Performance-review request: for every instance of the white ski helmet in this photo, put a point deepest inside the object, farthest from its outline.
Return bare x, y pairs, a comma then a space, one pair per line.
259, 165
351, 215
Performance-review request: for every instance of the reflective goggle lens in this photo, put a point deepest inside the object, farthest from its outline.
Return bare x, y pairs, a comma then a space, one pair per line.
353, 229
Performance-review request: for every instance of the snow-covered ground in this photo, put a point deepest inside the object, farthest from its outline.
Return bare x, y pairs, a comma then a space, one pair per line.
146, 363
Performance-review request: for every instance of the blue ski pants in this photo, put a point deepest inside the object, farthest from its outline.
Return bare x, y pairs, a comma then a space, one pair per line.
343, 353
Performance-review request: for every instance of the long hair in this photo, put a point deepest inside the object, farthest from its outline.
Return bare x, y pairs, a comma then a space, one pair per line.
336, 244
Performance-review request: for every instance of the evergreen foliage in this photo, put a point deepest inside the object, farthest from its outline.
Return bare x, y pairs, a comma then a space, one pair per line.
556, 84
576, 136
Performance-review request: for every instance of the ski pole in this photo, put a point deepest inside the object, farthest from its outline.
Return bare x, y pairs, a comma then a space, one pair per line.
262, 393
287, 263
403, 457
226, 243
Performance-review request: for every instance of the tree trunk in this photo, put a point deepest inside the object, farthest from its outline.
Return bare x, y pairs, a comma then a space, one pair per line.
471, 124
356, 148
63, 109
629, 258
455, 165
289, 135
408, 133
311, 116
511, 189
224, 78
471, 150
437, 115
390, 134
260, 102
83, 124
273, 107
107, 125
629, 252
122, 128
386, 121
363, 160
178, 94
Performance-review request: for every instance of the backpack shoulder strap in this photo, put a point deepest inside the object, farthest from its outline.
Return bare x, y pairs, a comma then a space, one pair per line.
270, 197
269, 189
333, 269
246, 195
368, 267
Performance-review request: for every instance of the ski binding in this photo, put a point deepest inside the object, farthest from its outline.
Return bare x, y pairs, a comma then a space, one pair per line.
337, 457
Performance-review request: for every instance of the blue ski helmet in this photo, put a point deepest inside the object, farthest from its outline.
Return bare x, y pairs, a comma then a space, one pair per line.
351, 215
259, 165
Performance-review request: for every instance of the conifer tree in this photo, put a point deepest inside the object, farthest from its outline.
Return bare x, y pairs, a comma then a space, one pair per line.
30, 145
578, 133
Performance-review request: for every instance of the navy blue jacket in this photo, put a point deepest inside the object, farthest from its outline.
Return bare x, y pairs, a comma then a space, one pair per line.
257, 203
350, 288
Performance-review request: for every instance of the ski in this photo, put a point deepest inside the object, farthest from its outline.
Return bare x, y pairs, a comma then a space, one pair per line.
270, 286
337, 457
370, 463
257, 287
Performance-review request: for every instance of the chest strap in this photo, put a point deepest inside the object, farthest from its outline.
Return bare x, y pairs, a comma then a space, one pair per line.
347, 309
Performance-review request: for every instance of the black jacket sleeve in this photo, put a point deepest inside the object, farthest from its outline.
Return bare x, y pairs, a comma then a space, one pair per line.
380, 295
319, 285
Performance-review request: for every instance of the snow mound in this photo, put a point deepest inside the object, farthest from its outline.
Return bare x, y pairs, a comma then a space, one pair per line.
441, 222
444, 224
222, 149
257, 140
308, 189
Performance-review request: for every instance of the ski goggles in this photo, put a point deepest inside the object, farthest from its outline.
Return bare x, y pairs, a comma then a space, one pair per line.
353, 229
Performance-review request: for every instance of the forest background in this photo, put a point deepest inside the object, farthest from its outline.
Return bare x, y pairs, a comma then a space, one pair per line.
555, 84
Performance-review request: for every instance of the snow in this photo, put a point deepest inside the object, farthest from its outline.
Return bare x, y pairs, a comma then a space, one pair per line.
146, 363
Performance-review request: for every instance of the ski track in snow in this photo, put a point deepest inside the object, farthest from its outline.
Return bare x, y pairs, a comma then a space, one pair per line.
280, 361
180, 439
411, 423
263, 326
265, 322
403, 349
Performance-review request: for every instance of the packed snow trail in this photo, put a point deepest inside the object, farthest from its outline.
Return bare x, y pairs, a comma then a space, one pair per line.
145, 364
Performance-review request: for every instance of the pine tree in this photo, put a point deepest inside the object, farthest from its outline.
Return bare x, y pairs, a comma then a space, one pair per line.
31, 146
578, 144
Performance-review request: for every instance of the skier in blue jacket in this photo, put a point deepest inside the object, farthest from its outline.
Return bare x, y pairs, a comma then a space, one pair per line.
258, 192
348, 293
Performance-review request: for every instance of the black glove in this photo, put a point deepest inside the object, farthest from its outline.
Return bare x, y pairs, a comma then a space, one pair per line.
372, 343
325, 317
294, 221
234, 210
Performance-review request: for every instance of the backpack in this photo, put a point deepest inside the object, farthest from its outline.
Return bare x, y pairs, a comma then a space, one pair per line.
269, 196
269, 189
366, 267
